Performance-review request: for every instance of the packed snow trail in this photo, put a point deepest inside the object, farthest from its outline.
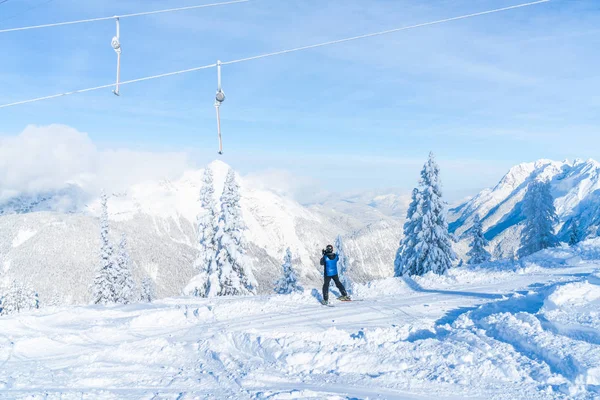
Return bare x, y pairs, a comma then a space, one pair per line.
500, 332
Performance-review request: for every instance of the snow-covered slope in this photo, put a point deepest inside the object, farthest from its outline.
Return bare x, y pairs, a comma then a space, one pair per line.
505, 332
574, 184
56, 249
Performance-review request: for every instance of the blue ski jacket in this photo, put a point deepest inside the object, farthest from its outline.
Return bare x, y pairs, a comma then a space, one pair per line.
329, 261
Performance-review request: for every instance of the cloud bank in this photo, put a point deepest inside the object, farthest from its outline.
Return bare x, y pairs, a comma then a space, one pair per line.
49, 158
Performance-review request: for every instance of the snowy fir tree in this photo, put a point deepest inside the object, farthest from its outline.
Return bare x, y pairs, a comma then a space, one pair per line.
343, 264
540, 217
124, 284
577, 234
147, 290
498, 253
478, 254
206, 282
104, 288
233, 265
407, 244
427, 245
19, 297
288, 283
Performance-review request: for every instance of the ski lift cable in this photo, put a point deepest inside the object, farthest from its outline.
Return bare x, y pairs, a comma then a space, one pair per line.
369, 35
275, 53
147, 78
82, 21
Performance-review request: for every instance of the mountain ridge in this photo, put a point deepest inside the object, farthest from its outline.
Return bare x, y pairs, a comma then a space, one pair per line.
575, 186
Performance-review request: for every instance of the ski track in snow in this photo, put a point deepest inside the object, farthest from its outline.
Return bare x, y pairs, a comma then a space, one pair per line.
529, 334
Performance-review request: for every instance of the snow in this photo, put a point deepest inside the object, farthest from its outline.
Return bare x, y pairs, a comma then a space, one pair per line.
23, 236
573, 295
500, 330
574, 187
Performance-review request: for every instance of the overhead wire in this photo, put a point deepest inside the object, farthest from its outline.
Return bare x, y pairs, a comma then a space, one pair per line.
34, 7
82, 21
313, 46
369, 35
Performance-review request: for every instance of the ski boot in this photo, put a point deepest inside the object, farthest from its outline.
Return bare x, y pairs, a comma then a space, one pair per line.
344, 298
325, 302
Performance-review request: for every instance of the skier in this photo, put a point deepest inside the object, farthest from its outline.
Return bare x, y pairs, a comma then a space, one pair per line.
329, 263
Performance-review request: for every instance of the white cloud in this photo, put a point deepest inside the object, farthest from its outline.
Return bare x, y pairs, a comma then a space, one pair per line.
301, 188
45, 158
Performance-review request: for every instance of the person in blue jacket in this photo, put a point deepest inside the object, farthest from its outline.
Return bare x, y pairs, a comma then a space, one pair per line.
329, 262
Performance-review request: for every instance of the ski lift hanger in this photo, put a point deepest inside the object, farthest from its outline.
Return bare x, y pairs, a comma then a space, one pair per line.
116, 45
219, 99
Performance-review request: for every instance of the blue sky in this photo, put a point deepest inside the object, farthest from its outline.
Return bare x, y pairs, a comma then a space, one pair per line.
483, 94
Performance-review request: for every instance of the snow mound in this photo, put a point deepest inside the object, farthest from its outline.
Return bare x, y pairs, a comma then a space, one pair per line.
23, 236
572, 295
379, 288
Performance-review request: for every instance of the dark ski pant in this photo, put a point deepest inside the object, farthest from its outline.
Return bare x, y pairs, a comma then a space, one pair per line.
338, 284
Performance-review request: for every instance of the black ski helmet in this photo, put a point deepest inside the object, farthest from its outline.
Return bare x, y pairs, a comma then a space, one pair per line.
329, 248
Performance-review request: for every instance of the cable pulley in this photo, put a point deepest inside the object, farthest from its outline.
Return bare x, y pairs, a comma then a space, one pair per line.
219, 98
116, 44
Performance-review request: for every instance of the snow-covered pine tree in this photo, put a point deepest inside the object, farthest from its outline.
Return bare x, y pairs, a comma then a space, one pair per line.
206, 282
405, 252
19, 297
147, 290
540, 217
577, 235
343, 264
288, 283
125, 285
478, 254
104, 289
433, 248
234, 267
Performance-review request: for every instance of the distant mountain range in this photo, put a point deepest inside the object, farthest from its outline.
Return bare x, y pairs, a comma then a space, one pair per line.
52, 239
575, 187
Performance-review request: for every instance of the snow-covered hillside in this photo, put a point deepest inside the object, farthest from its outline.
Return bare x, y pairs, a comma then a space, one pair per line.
503, 331
575, 187
52, 240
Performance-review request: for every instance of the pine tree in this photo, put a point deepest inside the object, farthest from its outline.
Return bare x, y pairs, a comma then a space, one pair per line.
540, 217
234, 267
206, 282
433, 246
577, 234
408, 242
343, 264
288, 283
125, 285
478, 254
20, 297
104, 289
147, 290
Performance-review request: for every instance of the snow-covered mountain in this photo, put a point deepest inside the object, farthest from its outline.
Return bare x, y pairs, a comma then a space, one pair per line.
575, 187
368, 207
52, 240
